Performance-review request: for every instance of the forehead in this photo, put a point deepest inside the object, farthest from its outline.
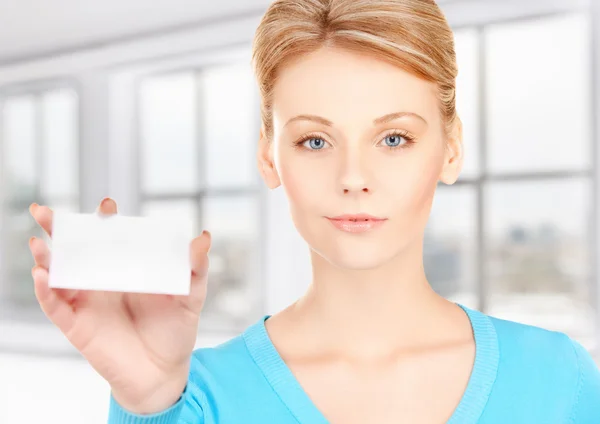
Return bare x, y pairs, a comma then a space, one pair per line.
342, 85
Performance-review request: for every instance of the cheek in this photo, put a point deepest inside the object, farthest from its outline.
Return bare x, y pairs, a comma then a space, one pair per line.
414, 183
305, 183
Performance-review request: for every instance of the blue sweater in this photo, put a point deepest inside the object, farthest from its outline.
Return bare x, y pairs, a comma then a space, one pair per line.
522, 375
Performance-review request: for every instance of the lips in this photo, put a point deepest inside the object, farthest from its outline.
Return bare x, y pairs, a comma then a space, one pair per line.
357, 217
356, 223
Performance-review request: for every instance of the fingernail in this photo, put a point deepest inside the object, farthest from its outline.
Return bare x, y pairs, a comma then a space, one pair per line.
33, 207
103, 202
31, 240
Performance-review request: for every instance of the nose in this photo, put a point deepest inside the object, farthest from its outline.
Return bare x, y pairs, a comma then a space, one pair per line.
354, 174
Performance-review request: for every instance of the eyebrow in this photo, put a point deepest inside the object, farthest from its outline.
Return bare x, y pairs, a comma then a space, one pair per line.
382, 120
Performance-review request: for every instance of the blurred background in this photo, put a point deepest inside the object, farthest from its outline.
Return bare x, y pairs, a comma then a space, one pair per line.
154, 104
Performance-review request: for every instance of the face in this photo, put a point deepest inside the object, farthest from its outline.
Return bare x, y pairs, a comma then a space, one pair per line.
356, 135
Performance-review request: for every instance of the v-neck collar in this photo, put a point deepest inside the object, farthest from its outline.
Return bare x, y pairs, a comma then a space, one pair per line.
291, 393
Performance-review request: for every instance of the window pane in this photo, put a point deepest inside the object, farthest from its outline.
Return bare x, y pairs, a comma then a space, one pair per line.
230, 128
449, 246
538, 95
16, 259
538, 255
19, 149
20, 182
38, 152
59, 172
184, 210
168, 134
234, 257
467, 97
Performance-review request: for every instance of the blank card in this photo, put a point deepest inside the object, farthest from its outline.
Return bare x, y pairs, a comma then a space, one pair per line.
120, 253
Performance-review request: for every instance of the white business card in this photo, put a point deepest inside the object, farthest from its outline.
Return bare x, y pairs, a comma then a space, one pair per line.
120, 253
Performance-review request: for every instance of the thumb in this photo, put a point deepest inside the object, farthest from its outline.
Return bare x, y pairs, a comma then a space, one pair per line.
107, 207
199, 249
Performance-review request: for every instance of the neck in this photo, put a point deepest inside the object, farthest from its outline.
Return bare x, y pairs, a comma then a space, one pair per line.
373, 311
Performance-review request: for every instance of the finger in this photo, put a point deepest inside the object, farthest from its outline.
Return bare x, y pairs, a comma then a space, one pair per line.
199, 249
107, 207
56, 309
43, 215
41, 256
40, 251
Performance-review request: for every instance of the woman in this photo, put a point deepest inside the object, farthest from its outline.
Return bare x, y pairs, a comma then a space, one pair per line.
359, 126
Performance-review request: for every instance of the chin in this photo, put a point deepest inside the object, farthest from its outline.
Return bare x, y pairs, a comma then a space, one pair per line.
357, 255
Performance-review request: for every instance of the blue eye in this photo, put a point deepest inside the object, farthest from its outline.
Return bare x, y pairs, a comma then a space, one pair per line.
398, 140
315, 143
311, 142
395, 140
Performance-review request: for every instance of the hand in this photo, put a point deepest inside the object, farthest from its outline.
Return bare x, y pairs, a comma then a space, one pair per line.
140, 343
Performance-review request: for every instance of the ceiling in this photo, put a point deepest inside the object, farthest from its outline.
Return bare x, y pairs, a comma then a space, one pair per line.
30, 28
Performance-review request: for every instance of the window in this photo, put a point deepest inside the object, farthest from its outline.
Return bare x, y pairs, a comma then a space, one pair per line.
39, 162
513, 235
198, 132
539, 196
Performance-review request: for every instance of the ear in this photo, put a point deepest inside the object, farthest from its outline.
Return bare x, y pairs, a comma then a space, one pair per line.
454, 154
266, 164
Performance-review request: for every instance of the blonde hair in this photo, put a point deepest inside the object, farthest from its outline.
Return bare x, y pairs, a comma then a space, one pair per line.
411, 34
